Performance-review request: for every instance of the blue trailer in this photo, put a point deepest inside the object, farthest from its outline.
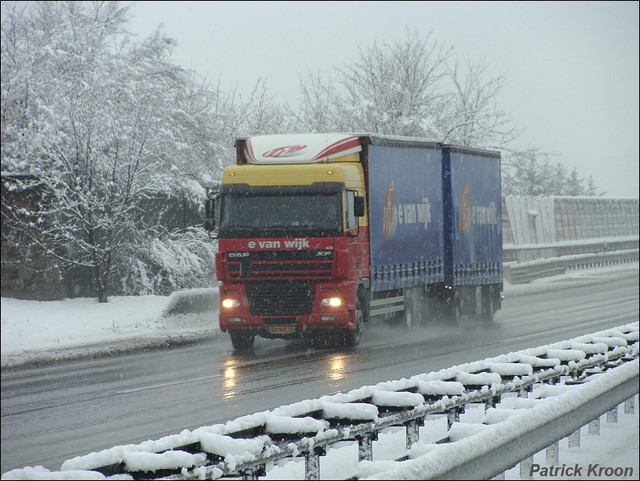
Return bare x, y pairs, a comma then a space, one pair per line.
435, 229
472, 204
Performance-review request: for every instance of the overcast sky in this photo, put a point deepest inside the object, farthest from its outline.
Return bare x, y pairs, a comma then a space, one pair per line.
572, 67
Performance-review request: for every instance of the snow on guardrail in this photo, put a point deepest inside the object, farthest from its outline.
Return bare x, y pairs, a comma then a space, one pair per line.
523, 272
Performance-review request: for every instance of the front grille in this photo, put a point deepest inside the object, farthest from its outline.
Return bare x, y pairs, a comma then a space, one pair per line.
280, 298
299, 264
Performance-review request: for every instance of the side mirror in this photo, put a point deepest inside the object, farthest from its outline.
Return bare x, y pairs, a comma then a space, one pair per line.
210, 214
358, 206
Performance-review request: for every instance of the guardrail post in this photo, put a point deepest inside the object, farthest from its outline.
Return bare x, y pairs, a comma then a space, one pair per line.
312, 466
525, 468
612, 415
312, 463
413, 432
594, 426
453, 416
491, 403
553, 454
629, 405
254, 473
574, 439
365, 446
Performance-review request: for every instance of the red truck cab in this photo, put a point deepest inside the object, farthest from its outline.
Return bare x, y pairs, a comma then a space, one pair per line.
293, 239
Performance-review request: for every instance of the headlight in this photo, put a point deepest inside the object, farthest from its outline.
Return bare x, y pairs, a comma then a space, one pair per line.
332, 301
229, 303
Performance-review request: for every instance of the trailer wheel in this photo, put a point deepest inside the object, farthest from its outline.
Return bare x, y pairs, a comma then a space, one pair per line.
242, 341
415, 304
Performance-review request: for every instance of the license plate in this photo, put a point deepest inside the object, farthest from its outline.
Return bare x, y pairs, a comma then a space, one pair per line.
282, 329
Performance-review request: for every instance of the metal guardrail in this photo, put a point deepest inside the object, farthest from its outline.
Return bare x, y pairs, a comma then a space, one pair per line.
530, 252
245, 446
521, 273
500, 450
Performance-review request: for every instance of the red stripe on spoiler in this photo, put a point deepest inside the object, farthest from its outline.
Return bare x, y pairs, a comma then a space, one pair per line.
248, 149
340, 146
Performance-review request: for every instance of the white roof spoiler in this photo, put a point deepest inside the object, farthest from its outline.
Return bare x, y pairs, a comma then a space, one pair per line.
299, 148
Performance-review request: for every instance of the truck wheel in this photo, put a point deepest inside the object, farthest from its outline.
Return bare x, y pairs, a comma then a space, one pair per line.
352, 338
242, 341
488, 306
453, 308
414, 305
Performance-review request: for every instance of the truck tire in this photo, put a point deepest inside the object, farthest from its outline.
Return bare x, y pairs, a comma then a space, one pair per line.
488, 305
452, 308
352, 338
241, 341
415, 304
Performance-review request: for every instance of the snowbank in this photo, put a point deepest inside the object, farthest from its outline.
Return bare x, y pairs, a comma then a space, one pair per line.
35, 332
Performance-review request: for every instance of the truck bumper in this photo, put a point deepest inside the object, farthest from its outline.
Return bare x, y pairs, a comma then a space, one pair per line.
323, 317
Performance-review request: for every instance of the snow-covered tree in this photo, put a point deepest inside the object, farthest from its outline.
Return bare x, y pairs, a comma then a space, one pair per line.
411, 87
396, 88
472, 116
533, 173
417, 87
316, 108
392, 88
262, 114
101, 124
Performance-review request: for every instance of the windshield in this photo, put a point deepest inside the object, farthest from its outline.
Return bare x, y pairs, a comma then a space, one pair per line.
281, 215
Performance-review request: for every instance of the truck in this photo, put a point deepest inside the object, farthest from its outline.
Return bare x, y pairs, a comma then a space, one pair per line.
318, 234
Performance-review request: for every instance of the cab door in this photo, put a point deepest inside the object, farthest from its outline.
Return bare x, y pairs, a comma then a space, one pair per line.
357, 234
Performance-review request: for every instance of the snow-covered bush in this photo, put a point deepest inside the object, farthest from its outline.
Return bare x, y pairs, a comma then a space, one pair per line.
161, 263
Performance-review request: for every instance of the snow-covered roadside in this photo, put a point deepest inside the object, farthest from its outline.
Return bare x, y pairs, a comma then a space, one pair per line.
35, 332
38, 332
